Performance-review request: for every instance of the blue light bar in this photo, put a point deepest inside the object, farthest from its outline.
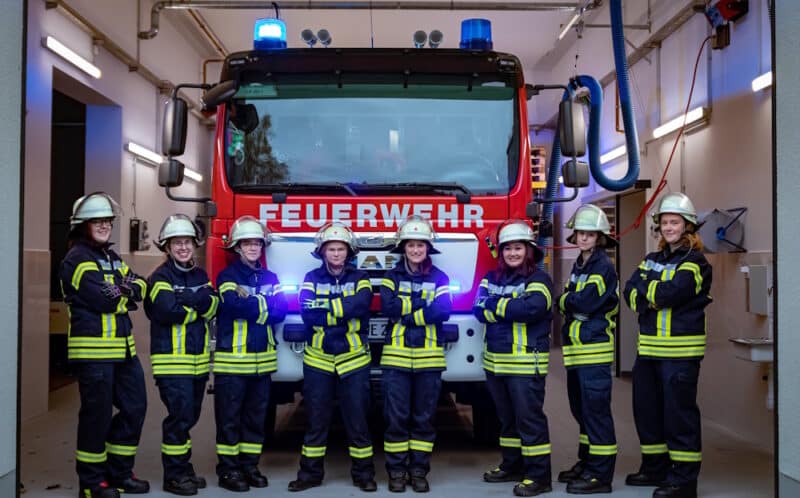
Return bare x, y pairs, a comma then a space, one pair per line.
269, 33
476, 34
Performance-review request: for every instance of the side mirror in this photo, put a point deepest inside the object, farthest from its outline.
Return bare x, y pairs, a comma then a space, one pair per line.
219, 93
571, 129
575, 173
173, 133
532, 210
170, 173
530, 91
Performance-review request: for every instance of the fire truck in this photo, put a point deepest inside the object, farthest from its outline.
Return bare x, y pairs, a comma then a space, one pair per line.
305, 136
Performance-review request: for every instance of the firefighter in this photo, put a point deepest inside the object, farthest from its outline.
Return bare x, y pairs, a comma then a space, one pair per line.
669, 291
180, 303
590, 304
100, 290
514, 301
415, 296
251, 303
335, 300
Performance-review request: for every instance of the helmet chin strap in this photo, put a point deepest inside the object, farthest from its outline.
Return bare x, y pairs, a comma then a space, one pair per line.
189, 266
254, 265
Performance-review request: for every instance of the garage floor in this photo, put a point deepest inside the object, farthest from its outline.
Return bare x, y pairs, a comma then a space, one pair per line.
731, 468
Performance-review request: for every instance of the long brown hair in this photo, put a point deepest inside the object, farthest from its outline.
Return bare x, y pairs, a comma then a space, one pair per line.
427, 263
528, 266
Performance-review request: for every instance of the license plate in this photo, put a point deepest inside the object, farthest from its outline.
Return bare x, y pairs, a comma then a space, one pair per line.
377, 328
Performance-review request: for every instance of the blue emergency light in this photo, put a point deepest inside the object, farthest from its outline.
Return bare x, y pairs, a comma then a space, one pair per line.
269, 33
476, 34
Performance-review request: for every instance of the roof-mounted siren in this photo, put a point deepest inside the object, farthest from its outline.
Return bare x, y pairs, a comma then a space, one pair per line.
324, 37
435, 39
269, 33
476, 34
309, 38
420, 37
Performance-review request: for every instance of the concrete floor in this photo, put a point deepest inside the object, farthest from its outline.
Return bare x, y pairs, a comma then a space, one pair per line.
731, 468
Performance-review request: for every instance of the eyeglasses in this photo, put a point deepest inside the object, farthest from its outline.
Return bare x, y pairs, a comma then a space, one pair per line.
181, 243
102, 221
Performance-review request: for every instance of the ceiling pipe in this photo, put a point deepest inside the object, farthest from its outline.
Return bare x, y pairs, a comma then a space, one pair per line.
155, 11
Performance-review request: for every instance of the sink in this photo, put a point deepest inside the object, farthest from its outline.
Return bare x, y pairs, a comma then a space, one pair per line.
758, 349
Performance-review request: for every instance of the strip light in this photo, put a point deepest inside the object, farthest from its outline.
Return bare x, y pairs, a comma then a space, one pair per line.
569, 25
194, 175
696, 114
156, 159
70, 56
613, 154
762, 82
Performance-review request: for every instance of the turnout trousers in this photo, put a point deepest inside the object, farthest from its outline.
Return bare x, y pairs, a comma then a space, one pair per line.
667, 418
524, 436
107, 444
183, 398
240, 409
410, 400
589, 390
320, 390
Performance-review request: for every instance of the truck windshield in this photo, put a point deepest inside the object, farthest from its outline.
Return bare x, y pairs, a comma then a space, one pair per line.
373, 139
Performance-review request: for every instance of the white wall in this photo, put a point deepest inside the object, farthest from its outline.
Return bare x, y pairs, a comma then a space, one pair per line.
134, 116
724, 165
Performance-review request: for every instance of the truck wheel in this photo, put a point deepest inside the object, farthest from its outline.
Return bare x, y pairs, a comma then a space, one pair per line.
269, 423
485, 424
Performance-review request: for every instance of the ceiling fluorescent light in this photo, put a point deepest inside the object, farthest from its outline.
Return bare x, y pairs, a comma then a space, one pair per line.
762, 82
613, 154
194, 175
569, 25
143, 152
696, 114
60, 49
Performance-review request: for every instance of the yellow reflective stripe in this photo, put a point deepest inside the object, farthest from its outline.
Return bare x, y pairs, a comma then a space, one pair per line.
575, 332
562, 301
510, 442
228, 449
417, 445
191, 315
501, 307
681, 346
180, 364
664, 322
336, 307
405, 308
536, 450
597, 280
516, 363
122, 306
263, 312
227, 286
120, 449
520, 334
654, 449
313, 451
89, 457
389, 284
365, 452
695, 269
489, 316
82, 268
158, 287
178, 339
441, 290
212, 310
632, 300
319, 335
419, 317
603, 449
309, 286
588, 359
430, 336
651, 291
540, 287
142, 286
685, 456
484, 283
583, 439
330, 319
252, 448
363, 284
240, 336
176, 449
395, 446
245, 364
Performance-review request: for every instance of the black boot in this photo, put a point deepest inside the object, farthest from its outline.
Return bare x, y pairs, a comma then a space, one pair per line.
572, 474
198, 481
234, 481
419, 484
131, 485
302, 485
367, 485
255, 478
684, 491
531, 488
588, 486
397, 482
101, 490
184, 486
499, 475
642, 479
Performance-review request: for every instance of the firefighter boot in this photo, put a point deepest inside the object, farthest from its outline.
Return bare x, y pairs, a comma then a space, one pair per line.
531, 488
574, 473
302, 485
499, 475
642, 479
132, 485
185, 486
366, 485
234, 481
688, 490
255, 478
588, 486
101, 490
419, 484
198, 481
397, 482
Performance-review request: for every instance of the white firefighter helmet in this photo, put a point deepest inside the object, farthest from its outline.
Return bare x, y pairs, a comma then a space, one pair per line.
414, 228
676, 203
518, 231
335, 231
178, 225
93, 206
248, 227
590, 218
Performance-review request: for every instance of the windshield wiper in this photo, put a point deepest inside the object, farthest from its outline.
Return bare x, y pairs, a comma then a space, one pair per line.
422, 185
297, 185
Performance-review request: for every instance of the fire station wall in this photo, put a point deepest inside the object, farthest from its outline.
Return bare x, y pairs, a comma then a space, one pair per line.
724, 165
122, 107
